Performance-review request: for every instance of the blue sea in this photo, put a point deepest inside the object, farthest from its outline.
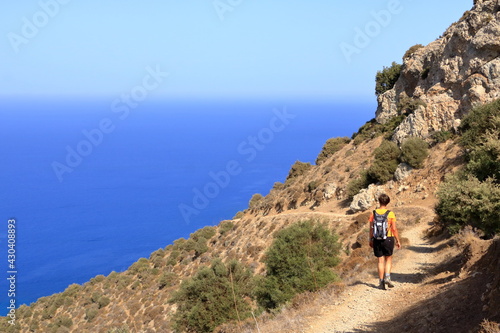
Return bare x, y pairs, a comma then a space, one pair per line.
94, 186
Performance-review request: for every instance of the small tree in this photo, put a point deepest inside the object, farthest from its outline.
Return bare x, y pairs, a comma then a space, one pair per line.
386, 78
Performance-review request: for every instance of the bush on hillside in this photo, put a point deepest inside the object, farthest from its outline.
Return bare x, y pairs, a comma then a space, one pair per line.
414, 151
331, 147
412, 50
255, 200
356, 185
225, 226
465, 200
298, 169
480, 136
472, 196
408, 105
372, 129
440, 137
386, 78
385, 164
300, 259
213, 296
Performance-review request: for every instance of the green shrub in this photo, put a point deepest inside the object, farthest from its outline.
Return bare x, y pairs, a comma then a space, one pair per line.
63, 321
200, 246
140, 266
103, 301
255, 201
213, 296
313, 185
300, 259
206, 232
414, 151
373, 129
408, 105
173, 258
238, 215
91, 312
225, 227
440, 136
298, 169
385, 163
386, 78
484, 162
357, 184
331, 147
465, 200
412, 50
167, 279
481, 128
479, 121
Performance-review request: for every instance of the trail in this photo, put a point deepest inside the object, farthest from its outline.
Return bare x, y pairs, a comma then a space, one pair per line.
362, 306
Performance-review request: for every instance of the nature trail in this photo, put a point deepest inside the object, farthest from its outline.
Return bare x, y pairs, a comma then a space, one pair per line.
362, 306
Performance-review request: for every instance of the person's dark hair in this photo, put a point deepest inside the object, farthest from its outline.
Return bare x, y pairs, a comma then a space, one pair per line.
384, 199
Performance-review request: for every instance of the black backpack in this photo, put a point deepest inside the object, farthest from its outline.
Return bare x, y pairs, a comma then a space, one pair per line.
380, 224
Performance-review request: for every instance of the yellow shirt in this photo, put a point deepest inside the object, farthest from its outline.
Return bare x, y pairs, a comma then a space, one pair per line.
391, 220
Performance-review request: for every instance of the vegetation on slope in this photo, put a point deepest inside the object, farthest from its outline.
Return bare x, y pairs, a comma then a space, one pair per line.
472, 196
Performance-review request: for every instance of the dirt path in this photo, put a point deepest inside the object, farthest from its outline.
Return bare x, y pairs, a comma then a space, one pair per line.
363, 306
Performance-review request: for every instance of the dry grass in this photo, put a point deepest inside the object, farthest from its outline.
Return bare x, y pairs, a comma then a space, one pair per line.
489, 327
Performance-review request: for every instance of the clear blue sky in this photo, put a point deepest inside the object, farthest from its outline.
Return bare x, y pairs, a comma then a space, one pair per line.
242, 48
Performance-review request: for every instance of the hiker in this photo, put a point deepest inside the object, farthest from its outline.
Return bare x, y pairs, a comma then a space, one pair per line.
383, 233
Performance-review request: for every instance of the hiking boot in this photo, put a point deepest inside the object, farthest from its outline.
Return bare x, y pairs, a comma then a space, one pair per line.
389, 283
382, 285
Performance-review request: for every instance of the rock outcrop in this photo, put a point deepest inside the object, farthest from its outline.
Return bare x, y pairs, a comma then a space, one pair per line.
444, 79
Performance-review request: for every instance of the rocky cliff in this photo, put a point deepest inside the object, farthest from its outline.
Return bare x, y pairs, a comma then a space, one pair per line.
444, 79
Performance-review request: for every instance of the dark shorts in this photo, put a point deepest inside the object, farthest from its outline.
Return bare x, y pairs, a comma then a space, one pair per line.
384, 247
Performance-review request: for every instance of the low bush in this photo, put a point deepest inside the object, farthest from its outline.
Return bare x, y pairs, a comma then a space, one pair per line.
300, 259
213, 296
374, 129
472, 196
206, 232
225, 227
412, 50
331, 147
465, 200
440, 136
298, 169
414, 151
255, 201
357, 184
385, 163
408, 105
480, 136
